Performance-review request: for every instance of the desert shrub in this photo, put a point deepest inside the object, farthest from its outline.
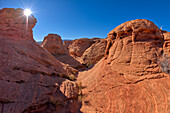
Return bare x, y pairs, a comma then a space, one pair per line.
69, 77
164, 63
55, 101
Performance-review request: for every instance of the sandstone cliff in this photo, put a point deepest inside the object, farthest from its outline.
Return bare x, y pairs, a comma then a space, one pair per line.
31, 79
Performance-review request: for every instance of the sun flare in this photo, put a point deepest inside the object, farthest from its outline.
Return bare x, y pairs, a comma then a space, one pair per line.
27, 12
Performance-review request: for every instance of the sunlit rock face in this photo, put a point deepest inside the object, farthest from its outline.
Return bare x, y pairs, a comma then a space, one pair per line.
135, 46
31, 79
13, 23
129, 78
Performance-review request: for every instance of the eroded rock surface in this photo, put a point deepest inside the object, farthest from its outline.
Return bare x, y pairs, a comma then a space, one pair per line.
31, 77
129, 78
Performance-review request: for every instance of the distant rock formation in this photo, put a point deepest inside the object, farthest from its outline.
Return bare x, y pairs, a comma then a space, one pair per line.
31, 79
54, 44
67, 43
94, 53
39, 42
78, 46
129, 78
87, 51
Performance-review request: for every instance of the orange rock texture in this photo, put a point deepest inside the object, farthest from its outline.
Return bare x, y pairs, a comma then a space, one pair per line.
130, 78
31, 79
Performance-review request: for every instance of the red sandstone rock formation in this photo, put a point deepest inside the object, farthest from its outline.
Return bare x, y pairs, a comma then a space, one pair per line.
31, 78
94, 53
78, 46
129, 78
67, 43
88, 51
54, 44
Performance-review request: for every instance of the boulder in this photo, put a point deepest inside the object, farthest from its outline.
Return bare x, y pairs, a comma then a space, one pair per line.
31, 79
54, 44
129, 78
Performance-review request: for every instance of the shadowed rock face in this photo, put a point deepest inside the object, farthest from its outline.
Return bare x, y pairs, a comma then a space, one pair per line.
129, 78
31, 78
78, 46
165, 59
94, 53
166, 46
54, 44
67, 43
87, 51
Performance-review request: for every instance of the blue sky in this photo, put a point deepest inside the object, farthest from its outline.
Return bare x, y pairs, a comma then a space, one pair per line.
72, 19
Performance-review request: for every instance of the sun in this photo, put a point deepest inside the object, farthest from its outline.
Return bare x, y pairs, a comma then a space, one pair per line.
27, 12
